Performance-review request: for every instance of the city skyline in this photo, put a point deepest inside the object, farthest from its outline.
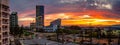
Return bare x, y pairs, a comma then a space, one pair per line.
71, 12
60, 22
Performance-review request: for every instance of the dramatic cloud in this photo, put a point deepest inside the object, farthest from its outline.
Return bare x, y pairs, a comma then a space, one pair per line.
98, 17
70, 11
69, 1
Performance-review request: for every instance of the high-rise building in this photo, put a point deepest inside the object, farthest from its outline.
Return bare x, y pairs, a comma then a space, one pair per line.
39, 17
13, 19
4, 22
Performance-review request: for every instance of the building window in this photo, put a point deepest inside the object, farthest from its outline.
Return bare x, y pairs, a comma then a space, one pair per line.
4, 15
5, 8
5, 41
5, 21
5, 34
5, 27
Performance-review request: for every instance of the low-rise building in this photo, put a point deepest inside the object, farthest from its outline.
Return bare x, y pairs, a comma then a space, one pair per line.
51, 28
32, 26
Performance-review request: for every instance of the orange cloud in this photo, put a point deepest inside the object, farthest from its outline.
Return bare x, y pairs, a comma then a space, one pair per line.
27, 13
96, 17
82, 21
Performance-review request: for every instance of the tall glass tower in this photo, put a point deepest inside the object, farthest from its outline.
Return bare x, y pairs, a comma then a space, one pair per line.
39, 17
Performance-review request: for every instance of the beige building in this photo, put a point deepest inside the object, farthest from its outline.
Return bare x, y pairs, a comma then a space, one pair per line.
4, 22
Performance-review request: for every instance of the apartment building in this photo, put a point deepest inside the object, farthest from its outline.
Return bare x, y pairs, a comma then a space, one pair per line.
4, 22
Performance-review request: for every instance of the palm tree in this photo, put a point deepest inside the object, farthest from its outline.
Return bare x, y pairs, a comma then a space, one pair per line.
74, 32
99, 34
21, 31
58, 32
109, 37
82, 32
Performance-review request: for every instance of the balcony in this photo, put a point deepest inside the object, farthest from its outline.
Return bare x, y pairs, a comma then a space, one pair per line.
5, 8
4, 28
5, 35
5, 15
5, 21
4, 41
5, 11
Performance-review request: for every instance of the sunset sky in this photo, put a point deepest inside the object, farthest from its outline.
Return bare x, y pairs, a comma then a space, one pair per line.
72, 12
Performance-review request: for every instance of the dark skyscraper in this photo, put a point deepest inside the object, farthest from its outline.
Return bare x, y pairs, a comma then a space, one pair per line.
13, 19
39, 17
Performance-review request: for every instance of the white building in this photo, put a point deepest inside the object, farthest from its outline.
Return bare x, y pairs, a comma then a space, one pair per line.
54, 25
